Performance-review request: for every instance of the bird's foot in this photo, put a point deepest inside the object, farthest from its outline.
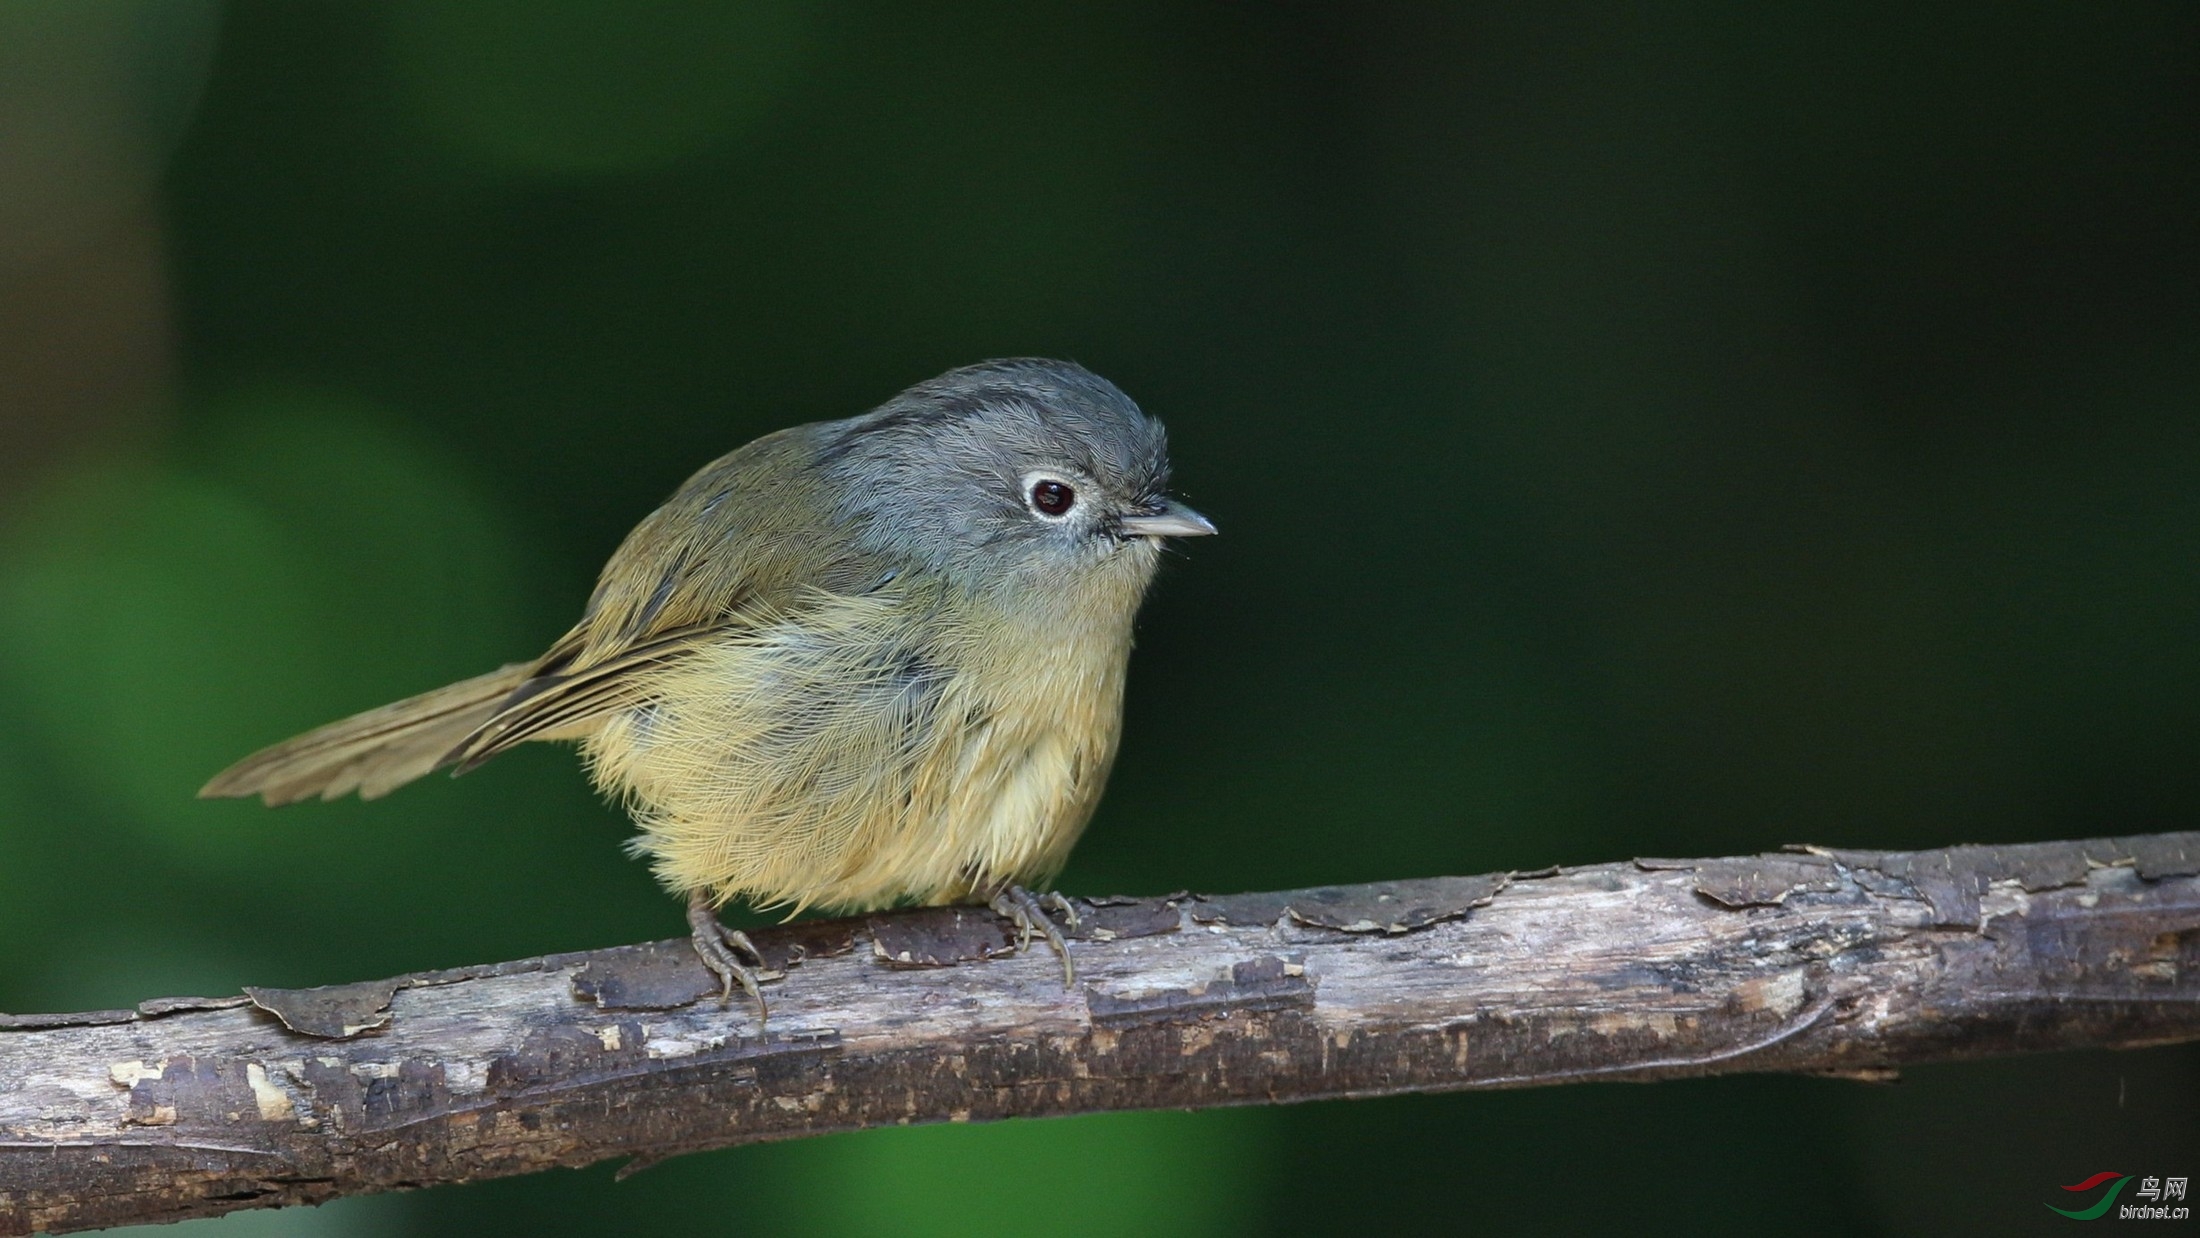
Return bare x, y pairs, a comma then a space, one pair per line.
1028, 912
721, 949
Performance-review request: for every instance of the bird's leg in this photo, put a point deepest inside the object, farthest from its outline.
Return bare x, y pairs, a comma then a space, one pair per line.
718, 947
1027, 912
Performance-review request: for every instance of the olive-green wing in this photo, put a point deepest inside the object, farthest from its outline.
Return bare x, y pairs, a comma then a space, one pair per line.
746, 541
743, 542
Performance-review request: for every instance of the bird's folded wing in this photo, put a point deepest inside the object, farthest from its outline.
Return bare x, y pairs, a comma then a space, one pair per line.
730, 551
551, 701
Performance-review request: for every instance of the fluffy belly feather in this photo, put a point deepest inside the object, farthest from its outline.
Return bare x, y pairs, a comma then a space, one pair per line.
831, 766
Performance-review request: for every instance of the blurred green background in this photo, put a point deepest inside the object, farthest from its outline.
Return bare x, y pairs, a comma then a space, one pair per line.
1670, 429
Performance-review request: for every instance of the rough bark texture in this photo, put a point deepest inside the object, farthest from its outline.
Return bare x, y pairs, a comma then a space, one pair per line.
1811, 960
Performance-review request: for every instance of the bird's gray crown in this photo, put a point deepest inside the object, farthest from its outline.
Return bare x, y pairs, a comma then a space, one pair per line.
941, 472
1025, 407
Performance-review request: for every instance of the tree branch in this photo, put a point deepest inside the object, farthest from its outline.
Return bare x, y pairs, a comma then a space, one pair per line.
1850, 963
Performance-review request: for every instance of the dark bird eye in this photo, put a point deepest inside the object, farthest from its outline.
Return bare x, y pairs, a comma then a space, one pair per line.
1052, 497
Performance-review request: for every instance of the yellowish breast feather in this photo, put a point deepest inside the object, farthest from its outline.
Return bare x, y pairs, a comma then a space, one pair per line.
849, 759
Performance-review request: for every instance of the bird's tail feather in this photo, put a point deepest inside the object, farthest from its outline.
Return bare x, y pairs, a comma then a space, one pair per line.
375, 752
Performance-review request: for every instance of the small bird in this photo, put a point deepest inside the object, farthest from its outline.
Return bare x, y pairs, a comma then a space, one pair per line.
850, 665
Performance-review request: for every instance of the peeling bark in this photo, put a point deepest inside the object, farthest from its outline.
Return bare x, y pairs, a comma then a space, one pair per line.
1838, 962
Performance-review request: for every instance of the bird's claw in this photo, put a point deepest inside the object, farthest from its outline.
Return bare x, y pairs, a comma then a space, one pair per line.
1059, 901
1028, 912
721, 949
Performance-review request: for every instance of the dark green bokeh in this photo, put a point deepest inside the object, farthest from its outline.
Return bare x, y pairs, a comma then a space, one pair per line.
1675, 430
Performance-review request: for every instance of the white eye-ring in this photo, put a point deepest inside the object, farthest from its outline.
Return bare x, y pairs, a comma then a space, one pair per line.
1049, 497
